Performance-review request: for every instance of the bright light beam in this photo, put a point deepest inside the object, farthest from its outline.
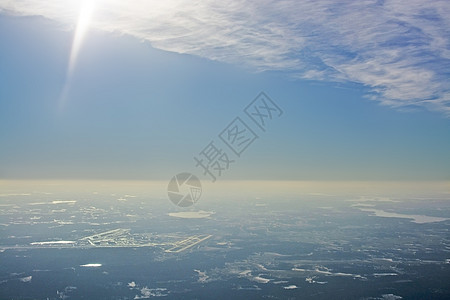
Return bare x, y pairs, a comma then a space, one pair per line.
84, 19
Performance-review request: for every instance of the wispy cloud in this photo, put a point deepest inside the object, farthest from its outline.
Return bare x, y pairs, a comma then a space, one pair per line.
399, 49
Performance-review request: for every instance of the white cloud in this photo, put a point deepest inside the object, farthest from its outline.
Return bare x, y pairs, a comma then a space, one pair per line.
191, 214
391, 297
202, 277
147, 293
91, 265
64, 202
67, 291
419, 219
290, 287
260, 279
26, 279
399, 49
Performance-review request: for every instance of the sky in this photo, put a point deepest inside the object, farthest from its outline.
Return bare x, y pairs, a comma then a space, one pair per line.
137, 89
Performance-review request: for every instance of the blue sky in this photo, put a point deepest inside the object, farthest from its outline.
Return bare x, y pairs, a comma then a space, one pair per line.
364, 88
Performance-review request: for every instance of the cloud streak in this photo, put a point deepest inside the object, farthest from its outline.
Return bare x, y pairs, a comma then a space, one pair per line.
399, 49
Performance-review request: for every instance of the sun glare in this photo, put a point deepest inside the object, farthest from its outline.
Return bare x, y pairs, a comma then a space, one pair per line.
84, 19
82, 26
